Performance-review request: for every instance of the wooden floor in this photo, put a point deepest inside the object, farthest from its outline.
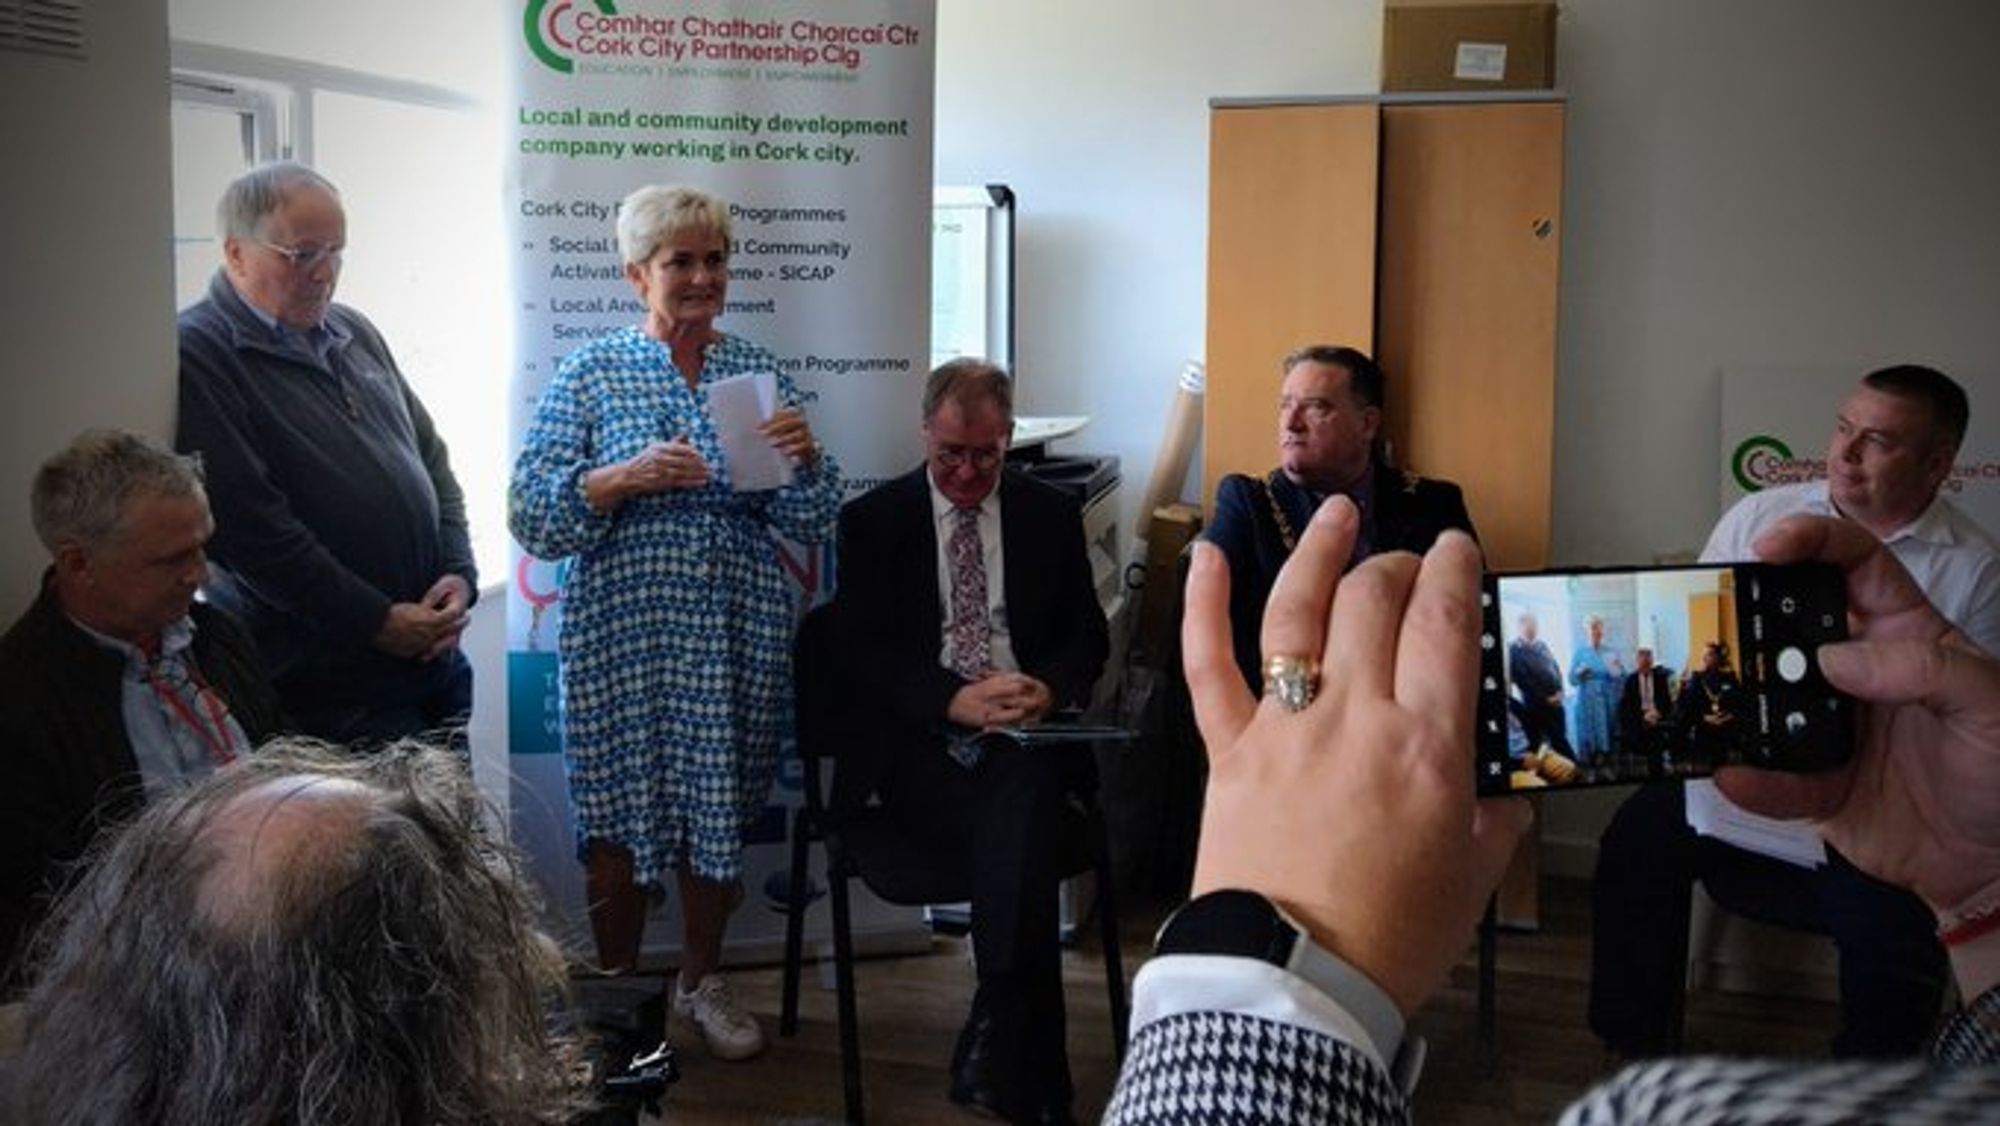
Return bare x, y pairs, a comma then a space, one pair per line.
910, 1010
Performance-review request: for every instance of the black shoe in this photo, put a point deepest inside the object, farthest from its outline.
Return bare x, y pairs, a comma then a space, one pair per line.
975, 1038
977, 1077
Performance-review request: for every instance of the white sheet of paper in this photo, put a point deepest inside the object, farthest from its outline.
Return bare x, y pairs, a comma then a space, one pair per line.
1712, 815
1480, 62
738, 405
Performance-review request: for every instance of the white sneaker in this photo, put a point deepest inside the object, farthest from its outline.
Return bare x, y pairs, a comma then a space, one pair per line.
730, 1032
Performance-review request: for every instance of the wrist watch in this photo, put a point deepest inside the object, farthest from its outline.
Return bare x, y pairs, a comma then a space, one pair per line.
1243, 924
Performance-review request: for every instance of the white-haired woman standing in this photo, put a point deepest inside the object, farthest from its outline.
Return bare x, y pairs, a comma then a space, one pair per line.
1598, 673
677, 624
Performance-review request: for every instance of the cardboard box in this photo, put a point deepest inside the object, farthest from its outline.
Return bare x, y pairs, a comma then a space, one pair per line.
1444, 45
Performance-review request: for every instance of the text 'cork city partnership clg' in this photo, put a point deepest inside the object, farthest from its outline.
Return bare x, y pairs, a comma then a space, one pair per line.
561, 31
1762, 461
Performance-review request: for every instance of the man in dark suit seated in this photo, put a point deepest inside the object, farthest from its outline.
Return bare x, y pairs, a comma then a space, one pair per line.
1329, 444
1645, 712
966, 603
115, 685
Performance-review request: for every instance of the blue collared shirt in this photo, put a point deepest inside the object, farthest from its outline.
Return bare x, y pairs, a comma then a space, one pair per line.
171, 751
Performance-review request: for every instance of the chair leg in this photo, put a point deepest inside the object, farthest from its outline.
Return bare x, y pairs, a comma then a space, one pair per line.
795, 928
1114, 958
1488, 973
1679, 952
843, 976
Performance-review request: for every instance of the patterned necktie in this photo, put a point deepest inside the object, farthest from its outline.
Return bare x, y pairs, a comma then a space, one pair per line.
971, 643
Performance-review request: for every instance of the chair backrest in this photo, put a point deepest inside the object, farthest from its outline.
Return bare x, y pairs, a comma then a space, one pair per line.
819, 697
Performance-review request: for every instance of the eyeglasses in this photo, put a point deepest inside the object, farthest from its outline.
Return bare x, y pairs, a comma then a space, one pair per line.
957, 457
305, 259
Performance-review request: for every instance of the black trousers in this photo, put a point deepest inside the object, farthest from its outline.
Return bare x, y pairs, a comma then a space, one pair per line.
1892, 968
439, 715
1014, 830
1545, 721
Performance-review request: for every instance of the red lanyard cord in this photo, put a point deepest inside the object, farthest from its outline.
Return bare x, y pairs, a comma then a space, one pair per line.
214, 734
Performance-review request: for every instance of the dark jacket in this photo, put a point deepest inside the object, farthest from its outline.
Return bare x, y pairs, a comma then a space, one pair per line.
1408, 514
1631, 715
333, 497
67, 764
892, 620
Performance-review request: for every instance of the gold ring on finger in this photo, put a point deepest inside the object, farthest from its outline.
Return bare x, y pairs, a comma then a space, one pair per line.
1292, 681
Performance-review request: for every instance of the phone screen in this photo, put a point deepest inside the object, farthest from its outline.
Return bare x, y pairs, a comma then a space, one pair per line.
1603, 677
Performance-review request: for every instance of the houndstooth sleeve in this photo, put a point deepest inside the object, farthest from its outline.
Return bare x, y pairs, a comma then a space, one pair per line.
1959, 1084
1236, 1070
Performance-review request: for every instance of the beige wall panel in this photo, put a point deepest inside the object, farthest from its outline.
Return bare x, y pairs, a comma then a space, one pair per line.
1470, 243
1291, 260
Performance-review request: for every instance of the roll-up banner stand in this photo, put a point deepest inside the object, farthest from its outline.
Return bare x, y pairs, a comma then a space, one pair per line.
814, 122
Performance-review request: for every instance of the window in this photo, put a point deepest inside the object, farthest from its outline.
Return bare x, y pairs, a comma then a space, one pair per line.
220, 129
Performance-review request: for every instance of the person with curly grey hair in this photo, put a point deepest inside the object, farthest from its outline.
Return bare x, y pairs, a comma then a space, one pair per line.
116, 685
677, 622
305, 939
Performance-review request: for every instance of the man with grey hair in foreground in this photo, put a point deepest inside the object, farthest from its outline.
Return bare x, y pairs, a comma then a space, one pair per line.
115, 686
303, 939
341, 538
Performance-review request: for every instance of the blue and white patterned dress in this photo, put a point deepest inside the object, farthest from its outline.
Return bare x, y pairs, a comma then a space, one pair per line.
676, 639
1596, 705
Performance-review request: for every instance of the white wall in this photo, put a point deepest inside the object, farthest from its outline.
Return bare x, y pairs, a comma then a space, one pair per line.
86, 296
1097, 115
449, 43
1784, 182
1754, 185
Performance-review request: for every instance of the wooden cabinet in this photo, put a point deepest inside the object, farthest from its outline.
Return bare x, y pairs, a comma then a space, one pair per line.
1291, 260
1712, 621
1424, 230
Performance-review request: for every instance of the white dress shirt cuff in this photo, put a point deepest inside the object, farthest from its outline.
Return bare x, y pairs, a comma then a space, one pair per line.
1173, 984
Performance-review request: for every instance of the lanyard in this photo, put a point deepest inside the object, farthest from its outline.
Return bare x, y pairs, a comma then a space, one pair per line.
214, 734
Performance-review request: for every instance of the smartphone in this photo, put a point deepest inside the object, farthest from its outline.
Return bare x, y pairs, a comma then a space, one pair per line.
1642, 674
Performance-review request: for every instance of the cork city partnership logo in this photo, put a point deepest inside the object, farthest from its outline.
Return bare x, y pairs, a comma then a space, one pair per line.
562, 33
550, 26
1762, 460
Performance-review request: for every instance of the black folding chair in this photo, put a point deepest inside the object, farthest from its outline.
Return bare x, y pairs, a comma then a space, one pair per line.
896, 865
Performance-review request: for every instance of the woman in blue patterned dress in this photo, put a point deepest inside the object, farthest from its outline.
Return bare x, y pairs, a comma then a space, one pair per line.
677, 621
1597, 673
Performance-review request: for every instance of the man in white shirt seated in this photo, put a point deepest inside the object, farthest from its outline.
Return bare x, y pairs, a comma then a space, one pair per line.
1893, 447
1282, 990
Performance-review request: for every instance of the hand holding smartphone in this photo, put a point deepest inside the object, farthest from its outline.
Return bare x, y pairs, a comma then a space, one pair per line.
1605, 677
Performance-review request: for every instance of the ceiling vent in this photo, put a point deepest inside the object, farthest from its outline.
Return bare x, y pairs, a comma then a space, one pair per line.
46, 27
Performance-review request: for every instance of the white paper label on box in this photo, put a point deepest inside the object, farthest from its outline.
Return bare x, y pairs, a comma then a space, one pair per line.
1481, 62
